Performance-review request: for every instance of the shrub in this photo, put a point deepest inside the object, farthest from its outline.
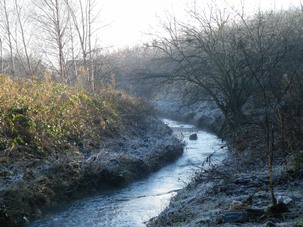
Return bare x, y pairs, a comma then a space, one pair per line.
47, 116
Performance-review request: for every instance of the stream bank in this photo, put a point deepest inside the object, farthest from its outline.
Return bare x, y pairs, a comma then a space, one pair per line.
30, 188
236, 193
203, 114
136, 203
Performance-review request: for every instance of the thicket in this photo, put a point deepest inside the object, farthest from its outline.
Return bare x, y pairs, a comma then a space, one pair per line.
43, 117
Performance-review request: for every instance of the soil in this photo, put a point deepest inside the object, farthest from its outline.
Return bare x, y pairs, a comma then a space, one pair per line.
31, 186
236, 192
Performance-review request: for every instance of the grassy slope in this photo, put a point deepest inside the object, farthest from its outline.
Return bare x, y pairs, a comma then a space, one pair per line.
45, 117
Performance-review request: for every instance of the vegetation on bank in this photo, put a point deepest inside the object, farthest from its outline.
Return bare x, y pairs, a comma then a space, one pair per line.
43, 117
58, 143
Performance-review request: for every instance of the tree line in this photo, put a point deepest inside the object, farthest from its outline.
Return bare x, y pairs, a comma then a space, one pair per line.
56, 37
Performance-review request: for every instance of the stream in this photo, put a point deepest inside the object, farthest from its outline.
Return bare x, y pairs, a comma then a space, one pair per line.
142, 200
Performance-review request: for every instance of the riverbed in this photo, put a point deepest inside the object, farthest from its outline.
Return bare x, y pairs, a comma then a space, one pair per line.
142, 200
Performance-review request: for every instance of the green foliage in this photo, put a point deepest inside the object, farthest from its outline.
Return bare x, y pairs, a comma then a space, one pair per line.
49, 117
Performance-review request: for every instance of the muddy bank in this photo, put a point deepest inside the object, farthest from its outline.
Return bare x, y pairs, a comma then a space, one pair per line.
203, 114
29, 188
236, 192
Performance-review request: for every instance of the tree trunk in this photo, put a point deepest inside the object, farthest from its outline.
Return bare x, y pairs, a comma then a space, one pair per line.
269, 141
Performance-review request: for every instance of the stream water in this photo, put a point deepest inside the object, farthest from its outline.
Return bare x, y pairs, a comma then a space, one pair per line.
142, 200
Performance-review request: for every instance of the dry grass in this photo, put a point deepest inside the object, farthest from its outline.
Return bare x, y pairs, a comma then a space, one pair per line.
45, 116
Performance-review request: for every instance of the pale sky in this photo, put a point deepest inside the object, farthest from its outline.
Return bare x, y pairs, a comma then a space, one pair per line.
130, 20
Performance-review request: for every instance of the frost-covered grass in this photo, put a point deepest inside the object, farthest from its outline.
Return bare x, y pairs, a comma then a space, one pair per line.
42, 117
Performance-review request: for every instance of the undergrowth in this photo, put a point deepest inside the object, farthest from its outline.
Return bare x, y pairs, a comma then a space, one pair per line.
44, 117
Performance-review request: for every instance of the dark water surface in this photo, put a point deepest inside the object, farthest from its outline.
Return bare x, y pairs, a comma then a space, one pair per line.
142, 200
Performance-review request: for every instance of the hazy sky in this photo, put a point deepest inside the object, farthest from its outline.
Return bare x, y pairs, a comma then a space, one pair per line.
129, 20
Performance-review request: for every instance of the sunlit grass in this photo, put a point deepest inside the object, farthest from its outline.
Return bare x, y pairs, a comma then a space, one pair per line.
46, 116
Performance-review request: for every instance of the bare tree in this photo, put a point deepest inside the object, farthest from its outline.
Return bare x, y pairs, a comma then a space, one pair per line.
53, 18
6, 27
27, 65
23, 41
203, 56
84, 16
266, 49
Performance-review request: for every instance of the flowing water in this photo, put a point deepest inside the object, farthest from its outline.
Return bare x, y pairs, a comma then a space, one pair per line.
142, 200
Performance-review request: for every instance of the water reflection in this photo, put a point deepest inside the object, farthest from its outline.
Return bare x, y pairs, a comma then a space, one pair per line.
142, 200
